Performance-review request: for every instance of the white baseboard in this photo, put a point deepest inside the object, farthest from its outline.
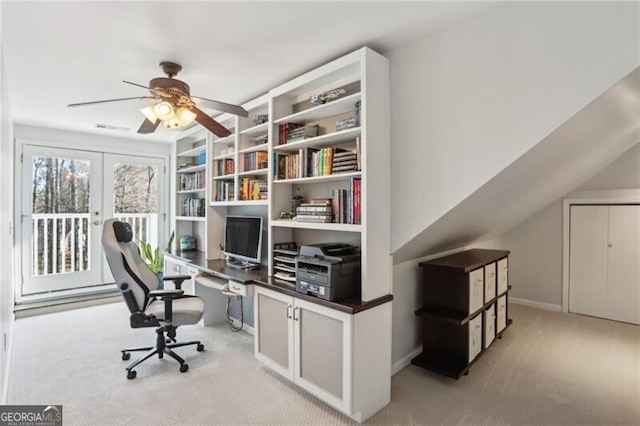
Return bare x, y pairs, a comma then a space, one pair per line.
405, 361
534, 304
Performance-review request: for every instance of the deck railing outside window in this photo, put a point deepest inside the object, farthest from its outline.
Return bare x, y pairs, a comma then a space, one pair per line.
61, 240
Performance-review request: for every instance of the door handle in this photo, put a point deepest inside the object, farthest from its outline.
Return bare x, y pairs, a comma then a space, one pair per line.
289, 311
295, 318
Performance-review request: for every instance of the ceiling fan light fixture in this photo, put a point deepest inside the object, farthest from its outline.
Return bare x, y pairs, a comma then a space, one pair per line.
185, 116
164, 111
173, 123
150, 114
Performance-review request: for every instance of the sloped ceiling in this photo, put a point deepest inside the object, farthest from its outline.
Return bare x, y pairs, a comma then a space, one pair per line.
568, 157
58, 53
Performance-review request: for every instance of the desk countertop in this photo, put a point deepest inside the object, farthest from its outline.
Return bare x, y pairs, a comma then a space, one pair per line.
219, 268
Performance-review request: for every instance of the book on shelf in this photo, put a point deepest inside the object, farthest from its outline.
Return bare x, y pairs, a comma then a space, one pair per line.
224, 167
293, 132
316, 201
191, 181
223, 190
194, 207
314, 218
346, 202
254, 160
314, 209
253, 189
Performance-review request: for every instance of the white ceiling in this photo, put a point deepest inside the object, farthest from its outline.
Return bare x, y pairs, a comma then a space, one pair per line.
58, 53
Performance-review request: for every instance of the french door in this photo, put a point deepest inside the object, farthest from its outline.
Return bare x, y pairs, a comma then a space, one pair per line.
66, 196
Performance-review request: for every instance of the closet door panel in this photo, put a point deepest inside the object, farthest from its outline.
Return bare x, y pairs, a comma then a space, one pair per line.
588, 260
623, 291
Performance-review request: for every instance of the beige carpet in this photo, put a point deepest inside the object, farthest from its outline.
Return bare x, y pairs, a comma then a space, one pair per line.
549, 368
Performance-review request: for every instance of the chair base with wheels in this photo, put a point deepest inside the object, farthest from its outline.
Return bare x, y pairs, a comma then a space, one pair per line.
163, 346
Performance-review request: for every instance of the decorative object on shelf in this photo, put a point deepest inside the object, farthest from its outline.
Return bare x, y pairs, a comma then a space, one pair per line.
322, 98
296, 200
347, 123
187, 242
175, 107
259, 119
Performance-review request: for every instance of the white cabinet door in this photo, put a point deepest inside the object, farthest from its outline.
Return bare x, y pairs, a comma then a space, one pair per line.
323, 352
623, 283
475, 337
588, 260
476, 289
489, 282
503, 275
274, 330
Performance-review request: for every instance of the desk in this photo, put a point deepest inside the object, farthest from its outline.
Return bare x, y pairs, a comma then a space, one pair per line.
213, 275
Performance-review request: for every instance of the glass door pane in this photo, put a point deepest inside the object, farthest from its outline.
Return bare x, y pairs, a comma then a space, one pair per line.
61, 218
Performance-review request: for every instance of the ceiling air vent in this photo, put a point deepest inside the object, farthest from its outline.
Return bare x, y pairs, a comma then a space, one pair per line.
110, 127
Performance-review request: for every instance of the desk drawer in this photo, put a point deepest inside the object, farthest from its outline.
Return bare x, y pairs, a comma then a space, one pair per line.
241, 289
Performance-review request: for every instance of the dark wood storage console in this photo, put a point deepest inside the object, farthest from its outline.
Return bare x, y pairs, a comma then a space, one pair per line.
465, 307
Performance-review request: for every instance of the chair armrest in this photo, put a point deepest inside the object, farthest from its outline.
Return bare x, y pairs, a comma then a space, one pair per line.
166, 294
177, 279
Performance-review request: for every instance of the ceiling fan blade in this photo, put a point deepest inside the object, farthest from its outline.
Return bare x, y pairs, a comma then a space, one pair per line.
212, 125
135, 84
148, 127
221, 106
110, 100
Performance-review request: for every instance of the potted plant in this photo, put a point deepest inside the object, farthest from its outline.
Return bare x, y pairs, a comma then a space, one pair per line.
155, 259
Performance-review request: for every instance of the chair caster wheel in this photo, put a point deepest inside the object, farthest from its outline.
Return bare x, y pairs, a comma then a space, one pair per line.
126, 356
200, 347
184, 368
131, 374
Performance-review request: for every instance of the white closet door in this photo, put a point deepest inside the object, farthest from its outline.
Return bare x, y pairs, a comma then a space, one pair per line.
623, 290
588, 260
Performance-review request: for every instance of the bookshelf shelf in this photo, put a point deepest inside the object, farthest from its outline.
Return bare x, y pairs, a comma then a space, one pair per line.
261, 147
322, 141
191, 191
191, 218
257, 172
317, 179
226, 140
193, 152
223, 156
224, 177
239, 203
255, 130
339, 106
192, 169
344, 227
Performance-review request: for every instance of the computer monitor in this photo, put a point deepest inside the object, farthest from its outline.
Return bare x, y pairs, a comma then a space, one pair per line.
243, 241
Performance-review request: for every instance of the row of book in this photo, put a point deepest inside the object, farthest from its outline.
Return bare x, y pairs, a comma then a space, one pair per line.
191, 181
318, 210
255, 160
346, 203
224, 167
194, 207
223, 190
312, 162
253, 189
293, 132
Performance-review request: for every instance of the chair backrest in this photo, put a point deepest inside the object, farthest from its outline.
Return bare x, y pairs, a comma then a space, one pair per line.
126, 264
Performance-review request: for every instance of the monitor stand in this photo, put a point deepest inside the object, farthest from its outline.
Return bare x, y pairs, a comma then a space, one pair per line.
234, 263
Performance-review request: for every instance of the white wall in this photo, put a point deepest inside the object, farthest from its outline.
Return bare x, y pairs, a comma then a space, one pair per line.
536, 245
468, 101
6, 229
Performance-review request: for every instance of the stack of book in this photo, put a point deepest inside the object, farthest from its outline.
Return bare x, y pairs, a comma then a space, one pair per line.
293, 132
284, 261
346, 161
318, 210
191, 181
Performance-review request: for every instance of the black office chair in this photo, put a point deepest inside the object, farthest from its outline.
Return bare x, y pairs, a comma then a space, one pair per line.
149, 307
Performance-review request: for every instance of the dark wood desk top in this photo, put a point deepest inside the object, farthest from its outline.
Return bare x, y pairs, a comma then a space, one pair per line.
219, 268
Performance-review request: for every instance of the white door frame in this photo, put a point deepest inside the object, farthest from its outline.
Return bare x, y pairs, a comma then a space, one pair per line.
623, 196
71, 140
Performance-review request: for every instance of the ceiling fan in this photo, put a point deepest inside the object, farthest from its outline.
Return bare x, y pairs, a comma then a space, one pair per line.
175, 106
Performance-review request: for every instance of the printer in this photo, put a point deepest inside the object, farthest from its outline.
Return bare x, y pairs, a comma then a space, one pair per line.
330, 271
